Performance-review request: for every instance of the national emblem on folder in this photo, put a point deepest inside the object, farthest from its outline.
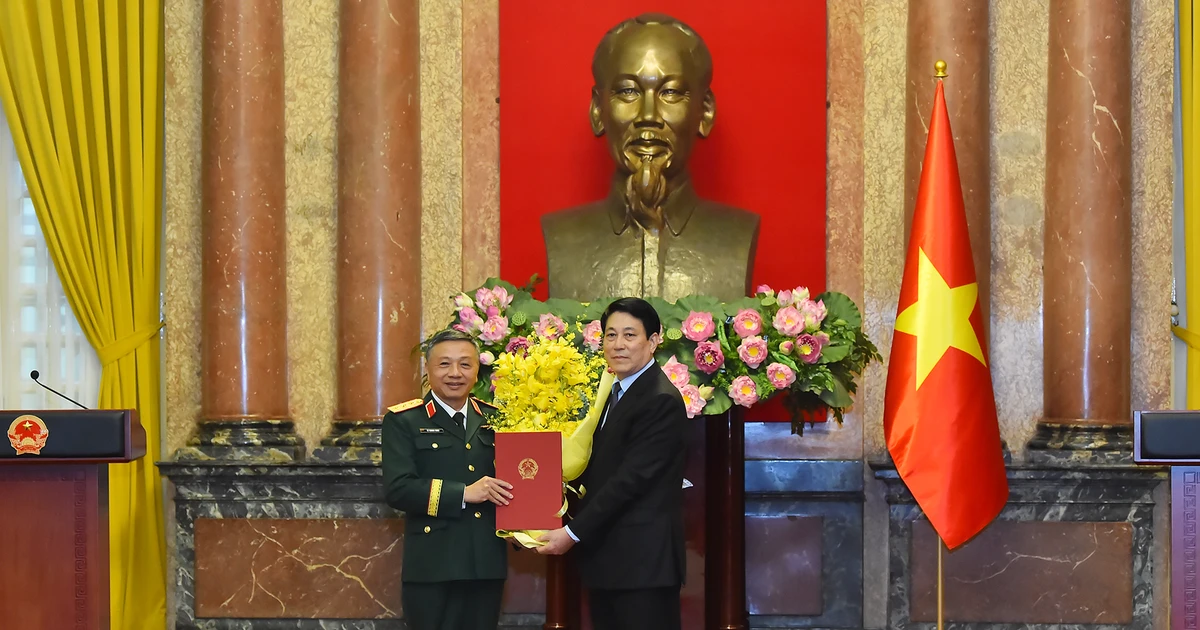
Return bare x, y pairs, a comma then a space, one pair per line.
527, 468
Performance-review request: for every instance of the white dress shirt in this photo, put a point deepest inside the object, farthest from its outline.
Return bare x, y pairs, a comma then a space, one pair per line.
450, 412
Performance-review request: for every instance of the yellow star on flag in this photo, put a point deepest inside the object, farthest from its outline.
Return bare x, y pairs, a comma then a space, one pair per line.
940, 318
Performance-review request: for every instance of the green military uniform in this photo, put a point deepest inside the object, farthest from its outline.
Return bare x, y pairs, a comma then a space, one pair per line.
454, 564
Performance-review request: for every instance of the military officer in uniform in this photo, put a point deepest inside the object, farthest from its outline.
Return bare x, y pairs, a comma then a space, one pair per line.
438, 463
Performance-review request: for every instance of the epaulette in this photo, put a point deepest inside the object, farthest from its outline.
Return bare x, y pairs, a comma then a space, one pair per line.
405, 406
485, 403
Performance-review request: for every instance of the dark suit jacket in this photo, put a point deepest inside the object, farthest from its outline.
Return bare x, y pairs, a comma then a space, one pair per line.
630, 521
428, 461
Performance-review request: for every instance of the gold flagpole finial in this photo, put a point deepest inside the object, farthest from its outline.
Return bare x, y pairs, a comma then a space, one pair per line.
939, 69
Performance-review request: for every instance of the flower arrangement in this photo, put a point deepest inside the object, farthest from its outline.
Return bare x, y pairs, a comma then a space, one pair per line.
809, 349
546, 384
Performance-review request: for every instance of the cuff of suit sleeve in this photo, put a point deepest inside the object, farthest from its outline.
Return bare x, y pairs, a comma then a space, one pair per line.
571, 533
441, 498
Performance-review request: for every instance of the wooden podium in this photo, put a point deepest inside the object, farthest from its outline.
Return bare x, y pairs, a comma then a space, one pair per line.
54, 520
1172, 438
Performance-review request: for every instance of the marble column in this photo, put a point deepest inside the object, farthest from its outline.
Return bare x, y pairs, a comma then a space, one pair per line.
379, 219
244, 404
955, 31
1087, 266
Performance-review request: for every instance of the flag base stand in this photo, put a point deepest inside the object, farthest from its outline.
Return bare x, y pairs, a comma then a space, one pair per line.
1079, 442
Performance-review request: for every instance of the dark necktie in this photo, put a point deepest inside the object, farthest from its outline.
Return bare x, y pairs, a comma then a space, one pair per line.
460, 420
612, 402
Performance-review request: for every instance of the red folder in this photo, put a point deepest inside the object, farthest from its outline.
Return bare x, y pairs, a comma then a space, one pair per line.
532, 463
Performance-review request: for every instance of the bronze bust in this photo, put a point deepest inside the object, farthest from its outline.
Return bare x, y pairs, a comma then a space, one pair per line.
652, 235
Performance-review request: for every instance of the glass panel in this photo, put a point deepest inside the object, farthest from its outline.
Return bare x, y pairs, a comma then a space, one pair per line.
28, 265
29, 223
29, 359
32, 400
29, 319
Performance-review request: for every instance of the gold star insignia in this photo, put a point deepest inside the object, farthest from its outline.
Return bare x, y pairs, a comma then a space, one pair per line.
27, 424
940, 318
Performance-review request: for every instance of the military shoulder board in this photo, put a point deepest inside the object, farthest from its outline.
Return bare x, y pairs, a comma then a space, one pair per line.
405, 406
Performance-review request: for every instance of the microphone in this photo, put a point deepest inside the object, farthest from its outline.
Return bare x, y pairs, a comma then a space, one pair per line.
35, 374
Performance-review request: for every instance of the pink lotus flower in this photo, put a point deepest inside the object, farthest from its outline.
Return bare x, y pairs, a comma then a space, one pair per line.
486, 358
693, 400
799, 294
497, 297
593, 335
699, 326
494, 329
503, 299
518, 346
461, 328
784, 298
549, 326
764, 290
813, 313
677, 372
786, 347
780, 375
461, 301
492, 311
485, 298
809, 348
743, 391
470, 319
747, 323
789, 321
753, 351
708, 357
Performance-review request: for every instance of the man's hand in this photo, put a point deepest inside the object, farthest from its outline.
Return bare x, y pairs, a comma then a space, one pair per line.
489, 489
558, 542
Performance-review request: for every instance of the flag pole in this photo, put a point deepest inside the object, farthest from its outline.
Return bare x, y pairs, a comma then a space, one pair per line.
939, 583
939, 71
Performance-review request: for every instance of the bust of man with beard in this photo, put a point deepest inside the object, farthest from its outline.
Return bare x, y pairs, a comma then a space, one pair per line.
652, 235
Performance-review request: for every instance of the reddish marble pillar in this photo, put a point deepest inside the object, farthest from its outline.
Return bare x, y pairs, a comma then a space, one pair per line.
244, 295
1087, 267
955, 31
379, 214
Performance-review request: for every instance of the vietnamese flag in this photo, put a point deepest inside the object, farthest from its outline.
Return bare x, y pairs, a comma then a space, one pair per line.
939, 410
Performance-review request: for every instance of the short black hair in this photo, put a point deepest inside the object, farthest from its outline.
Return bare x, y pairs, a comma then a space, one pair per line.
449, 334
638, 308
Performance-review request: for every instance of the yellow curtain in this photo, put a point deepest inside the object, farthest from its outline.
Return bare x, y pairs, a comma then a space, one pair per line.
1190, 135
81, 82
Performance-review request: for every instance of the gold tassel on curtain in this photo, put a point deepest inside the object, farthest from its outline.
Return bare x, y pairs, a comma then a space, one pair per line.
1190, 135
81, 84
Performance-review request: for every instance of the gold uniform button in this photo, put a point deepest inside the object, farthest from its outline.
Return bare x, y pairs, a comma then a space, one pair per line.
478, 515
471, 468
426, 529
435, 445
468, 447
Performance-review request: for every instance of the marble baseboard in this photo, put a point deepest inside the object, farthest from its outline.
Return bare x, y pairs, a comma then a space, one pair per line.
256, 542
1072, 549
804, 543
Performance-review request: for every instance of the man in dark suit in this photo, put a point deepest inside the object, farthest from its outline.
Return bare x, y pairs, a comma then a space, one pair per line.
629, 526
438, 463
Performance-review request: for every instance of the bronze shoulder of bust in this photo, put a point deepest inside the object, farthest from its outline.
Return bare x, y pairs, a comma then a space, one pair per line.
652, 235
